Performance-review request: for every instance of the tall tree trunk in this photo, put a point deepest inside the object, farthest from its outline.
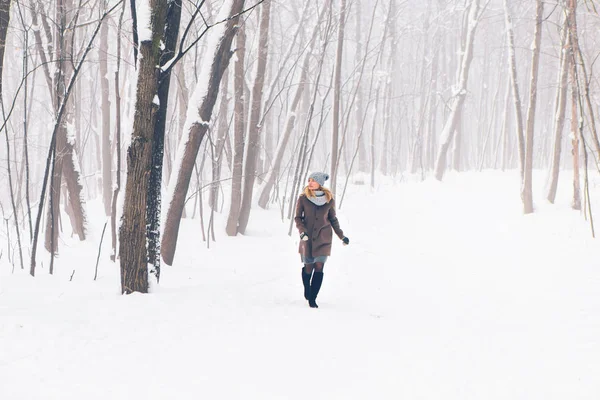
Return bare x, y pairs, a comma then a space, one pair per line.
450, 126
158, 144
222, 137
255, 113
106, 121
115, 196
4, 21
573, 50
515, 88
132, 247
559, 112
425, 90
52, 150
239, 128
505, 129
337, 82
64, 161
526, 191
220, 37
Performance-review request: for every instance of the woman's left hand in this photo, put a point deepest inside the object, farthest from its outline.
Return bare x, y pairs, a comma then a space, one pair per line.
346, 241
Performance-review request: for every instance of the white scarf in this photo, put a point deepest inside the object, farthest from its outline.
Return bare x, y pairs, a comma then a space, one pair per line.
319, 198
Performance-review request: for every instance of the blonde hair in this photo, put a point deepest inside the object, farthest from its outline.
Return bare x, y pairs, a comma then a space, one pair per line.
311, 193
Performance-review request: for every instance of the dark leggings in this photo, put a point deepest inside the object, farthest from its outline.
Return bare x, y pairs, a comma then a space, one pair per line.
308, 268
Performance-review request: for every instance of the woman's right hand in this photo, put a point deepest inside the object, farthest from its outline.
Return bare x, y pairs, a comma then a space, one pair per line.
304, 236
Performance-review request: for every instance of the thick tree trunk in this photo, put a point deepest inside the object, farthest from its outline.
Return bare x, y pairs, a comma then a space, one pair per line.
221, 36
158, 146
132, 247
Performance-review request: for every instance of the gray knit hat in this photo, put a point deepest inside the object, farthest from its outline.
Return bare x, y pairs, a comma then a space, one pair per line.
319, 177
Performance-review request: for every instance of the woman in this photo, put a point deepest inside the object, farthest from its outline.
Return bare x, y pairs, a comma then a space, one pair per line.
315, 218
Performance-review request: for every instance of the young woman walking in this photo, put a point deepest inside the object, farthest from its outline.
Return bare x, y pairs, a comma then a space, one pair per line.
315, 218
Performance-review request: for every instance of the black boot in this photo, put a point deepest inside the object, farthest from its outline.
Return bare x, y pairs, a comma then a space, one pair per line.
306, 283
315, 286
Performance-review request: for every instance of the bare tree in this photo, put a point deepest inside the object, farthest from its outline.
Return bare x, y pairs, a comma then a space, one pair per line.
173, 19
4, 22
460, 93
57, 125
290, 120
559, 116
239, 129
337, 81
132, 247
65, 163
526, 191
115, 196
207, 92
575, 132
515, 88
255, 113
106, 121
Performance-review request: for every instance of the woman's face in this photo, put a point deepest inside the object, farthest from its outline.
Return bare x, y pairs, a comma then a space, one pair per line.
313, 185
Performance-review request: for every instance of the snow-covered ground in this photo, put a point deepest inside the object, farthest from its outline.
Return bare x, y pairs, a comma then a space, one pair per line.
446, 292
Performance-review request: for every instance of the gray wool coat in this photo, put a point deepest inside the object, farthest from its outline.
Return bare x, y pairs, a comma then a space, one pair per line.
317, 222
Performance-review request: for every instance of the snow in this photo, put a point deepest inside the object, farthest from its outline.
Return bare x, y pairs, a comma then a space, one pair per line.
446, 291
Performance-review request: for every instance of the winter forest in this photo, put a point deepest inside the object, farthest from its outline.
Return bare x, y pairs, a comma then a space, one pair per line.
148, 106
138, 135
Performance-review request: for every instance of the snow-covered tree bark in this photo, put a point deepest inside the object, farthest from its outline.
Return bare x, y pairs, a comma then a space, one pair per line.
173, 19
205, 96
65, 160
253, 144
460, 93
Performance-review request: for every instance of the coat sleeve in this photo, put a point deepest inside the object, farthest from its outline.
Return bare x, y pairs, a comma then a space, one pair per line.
335, 224
299, 217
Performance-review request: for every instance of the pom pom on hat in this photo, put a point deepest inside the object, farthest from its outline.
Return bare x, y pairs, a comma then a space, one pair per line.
319, 177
